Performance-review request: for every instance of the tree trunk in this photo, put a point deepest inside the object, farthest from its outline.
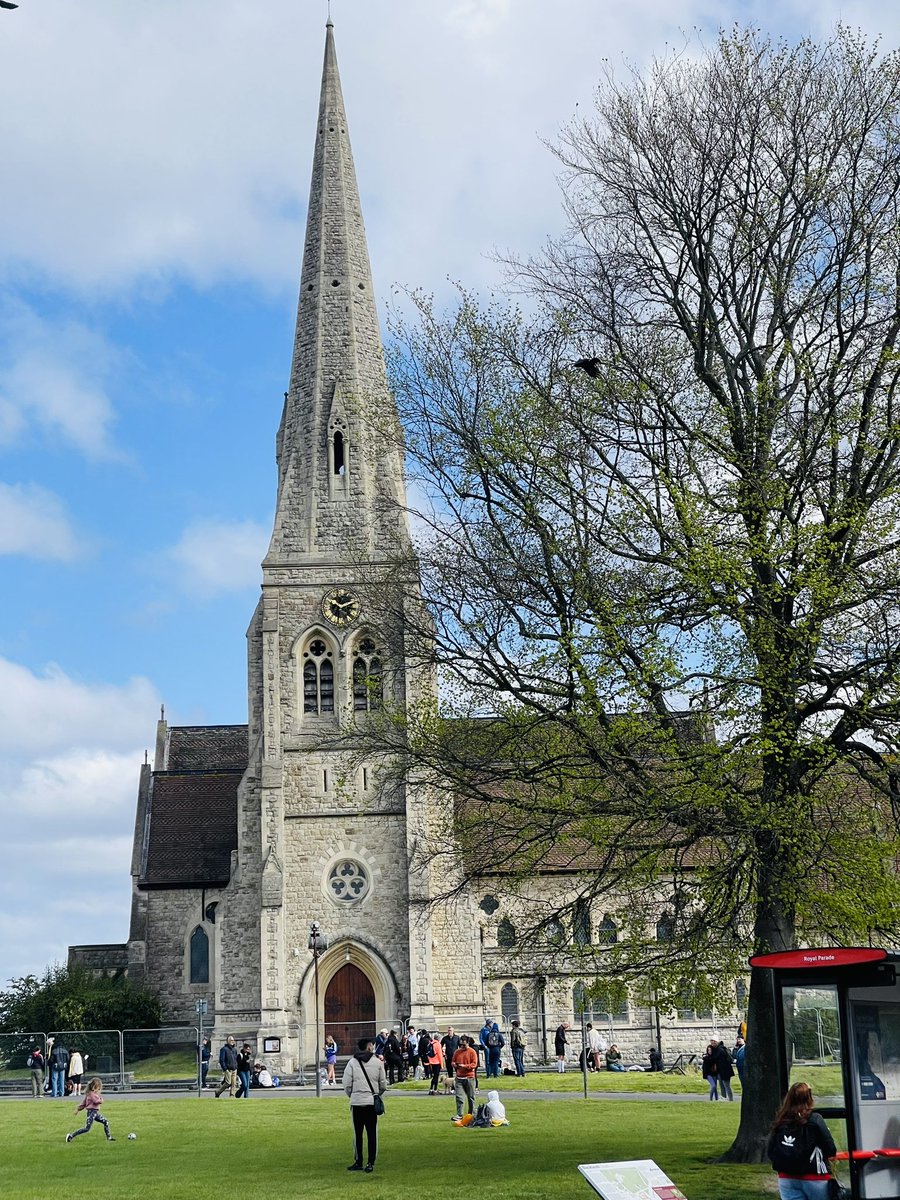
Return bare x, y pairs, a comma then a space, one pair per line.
761, 1093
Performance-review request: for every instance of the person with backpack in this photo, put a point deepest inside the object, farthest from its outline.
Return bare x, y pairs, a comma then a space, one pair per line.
493, 1043
798, 1147
517, 1040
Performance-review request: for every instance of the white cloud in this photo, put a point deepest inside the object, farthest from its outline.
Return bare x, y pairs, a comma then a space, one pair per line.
50, 713
33, 523
54, 376
70, 756
216, 557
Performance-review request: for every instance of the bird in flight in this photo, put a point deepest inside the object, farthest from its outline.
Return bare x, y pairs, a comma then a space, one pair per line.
7, 4
590, 366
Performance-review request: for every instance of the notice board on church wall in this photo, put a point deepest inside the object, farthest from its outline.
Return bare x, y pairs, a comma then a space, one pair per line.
640, 1179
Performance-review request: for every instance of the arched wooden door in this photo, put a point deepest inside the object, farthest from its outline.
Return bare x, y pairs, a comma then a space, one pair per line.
349, 1008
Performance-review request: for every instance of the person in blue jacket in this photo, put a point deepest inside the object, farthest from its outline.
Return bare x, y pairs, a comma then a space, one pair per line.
492, 1043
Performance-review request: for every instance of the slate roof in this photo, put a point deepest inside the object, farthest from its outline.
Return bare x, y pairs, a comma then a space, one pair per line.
206, 748
190, 818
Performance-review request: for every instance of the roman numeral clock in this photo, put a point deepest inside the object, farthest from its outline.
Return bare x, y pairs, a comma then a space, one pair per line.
341, 607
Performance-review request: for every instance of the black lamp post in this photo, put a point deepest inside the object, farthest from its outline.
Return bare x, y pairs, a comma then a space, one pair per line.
317, 943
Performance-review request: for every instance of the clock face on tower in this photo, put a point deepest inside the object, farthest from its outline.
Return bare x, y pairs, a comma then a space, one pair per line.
340, 607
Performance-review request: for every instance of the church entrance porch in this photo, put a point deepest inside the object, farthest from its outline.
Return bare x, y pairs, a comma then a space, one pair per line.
349, 1007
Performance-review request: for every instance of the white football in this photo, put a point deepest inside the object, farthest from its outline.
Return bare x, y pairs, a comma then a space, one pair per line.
132, 1137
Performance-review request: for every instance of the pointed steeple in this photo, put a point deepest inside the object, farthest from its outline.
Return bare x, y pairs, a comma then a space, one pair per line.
339, 454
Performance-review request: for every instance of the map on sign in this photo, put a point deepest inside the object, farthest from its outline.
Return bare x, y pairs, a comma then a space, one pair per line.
638, 1180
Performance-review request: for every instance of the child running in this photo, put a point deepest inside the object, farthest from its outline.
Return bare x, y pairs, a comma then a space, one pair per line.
93, 1098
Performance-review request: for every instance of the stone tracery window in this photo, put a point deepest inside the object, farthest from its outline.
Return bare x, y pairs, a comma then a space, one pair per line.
348, 880
368, 688
318, 678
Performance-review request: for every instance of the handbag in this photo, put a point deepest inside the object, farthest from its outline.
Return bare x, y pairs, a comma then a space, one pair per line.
377, 1102
836, 1190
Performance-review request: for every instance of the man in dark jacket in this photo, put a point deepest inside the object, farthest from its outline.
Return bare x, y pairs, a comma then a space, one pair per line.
724, 1070
59, 1064
36, 1064
228, 1061
449, 1045
393, 1057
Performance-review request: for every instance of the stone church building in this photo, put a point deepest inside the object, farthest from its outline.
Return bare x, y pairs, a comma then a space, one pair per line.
247, 834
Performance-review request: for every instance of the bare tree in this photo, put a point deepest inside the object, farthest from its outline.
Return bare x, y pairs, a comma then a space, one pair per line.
702, 517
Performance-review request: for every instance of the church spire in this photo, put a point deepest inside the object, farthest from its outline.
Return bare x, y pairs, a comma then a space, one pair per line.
339, 452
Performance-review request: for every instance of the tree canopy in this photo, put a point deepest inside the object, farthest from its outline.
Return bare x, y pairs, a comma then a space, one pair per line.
705, 520
75, 999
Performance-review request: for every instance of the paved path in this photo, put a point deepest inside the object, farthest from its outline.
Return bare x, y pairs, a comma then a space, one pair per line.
330, 1095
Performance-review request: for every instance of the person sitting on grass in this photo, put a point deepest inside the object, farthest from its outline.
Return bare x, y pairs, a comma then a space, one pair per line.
614, 1059
91, 1101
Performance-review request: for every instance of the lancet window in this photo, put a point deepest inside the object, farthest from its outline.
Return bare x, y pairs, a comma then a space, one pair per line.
318, 678
368, 687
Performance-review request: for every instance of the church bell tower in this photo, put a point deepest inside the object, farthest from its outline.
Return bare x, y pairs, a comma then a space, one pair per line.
319, 838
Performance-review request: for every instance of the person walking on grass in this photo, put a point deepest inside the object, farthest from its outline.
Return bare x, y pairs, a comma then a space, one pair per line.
244, 1071
228, 1061
560, 1041
91, 1102
708, 1068
364, 1079
798, 1148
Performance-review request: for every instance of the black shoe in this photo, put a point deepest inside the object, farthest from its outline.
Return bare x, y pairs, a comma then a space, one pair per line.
355, 1167
370, 1167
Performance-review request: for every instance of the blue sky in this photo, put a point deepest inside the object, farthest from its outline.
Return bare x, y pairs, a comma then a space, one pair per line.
155, 168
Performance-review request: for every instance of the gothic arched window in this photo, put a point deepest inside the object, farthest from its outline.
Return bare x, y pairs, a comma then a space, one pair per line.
665, 928
581, 923
608, 932
580, 1002
367, 676
338, 453
199, 956
509, 1003
740, 994
318, 678
555, 932
506, 934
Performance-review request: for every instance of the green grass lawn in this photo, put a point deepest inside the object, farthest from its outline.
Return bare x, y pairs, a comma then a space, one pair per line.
286, 1147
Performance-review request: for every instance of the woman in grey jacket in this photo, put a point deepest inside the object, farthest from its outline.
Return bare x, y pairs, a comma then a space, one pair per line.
364, 1079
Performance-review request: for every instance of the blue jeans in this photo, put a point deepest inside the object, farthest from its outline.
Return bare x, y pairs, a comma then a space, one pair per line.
58, 1081
244, 1090
493, 1064
519, 1059
803, 1189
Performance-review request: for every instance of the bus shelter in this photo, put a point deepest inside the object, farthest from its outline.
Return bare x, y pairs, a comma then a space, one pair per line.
838, 1019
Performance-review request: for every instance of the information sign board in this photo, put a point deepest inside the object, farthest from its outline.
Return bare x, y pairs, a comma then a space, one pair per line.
640, 1179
